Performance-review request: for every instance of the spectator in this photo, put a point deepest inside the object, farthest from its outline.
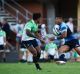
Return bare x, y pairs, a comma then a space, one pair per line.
6, 27
10, 36
2, 43
51, 48
70, 24
18, 30
43, 30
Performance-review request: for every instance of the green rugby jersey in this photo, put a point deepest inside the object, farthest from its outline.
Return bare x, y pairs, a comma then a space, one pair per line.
32, 26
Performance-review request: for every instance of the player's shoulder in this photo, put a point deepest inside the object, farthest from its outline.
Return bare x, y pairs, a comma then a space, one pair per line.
29, 22
63, 24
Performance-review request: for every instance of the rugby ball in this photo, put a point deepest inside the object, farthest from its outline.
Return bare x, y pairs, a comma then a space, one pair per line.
56, 30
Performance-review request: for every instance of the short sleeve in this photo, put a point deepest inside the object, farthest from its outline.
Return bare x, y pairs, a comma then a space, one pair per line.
63, 28
28, 26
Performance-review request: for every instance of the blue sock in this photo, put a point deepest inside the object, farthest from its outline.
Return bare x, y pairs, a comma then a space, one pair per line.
62, 57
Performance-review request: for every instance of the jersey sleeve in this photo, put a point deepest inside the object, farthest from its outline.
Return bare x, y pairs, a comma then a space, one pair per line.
28, 26
63, 28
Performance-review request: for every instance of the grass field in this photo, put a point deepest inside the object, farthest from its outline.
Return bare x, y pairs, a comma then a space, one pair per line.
48, 68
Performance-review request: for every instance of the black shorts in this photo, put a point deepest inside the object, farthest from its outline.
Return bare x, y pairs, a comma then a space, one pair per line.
26, 44
1, 47
72, 44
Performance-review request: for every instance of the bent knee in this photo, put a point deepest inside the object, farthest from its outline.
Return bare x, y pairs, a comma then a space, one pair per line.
63, 49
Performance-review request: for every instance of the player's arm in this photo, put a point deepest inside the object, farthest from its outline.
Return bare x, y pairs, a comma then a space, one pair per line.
28, 28
63, 35
29, 33
38, 36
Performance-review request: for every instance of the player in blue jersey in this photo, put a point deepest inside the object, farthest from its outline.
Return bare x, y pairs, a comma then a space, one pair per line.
70, 41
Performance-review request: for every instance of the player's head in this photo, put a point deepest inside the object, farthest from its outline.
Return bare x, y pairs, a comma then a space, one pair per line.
36, 17
70, 20
59, 20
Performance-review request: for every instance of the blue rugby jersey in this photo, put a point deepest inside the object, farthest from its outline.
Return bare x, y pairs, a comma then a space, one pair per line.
63, 27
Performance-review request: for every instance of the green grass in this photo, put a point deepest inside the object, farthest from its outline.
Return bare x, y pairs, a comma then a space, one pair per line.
48, 68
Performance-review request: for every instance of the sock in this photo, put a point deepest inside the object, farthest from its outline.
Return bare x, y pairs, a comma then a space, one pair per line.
35, 60
62, 57
38, 66
38, 56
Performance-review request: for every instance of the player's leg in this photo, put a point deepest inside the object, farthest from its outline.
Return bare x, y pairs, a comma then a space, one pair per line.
37, 47
63, 48
69, 45
76, 46
61, 52
35, 59
38, 51
77, 50
29, 45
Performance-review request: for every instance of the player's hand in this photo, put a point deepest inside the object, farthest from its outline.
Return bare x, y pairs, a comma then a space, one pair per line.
52, 39
43, 41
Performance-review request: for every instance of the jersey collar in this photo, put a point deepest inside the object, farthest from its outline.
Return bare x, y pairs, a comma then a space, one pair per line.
33, 21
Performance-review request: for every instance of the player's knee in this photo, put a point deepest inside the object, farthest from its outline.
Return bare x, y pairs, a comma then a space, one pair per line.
35, 54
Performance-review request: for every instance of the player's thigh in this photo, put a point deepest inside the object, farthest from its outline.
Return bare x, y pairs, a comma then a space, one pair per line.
32, 50
64, 48
38, 49
30, 47
36, 46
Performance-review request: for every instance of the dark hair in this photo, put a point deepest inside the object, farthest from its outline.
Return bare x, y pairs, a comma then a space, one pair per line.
59, 17
36, 16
